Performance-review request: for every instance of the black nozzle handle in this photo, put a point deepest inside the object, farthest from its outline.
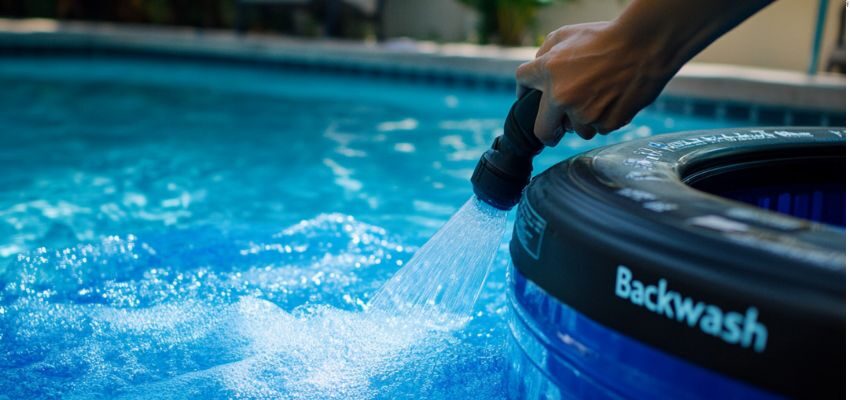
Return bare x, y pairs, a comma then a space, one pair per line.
519, 126
505, 169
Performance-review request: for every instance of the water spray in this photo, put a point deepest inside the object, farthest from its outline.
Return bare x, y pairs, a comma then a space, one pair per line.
441, 283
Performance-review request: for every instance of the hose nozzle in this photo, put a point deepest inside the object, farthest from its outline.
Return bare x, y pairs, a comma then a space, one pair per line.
505, 169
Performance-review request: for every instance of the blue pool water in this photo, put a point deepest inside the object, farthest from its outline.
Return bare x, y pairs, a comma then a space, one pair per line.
178, 229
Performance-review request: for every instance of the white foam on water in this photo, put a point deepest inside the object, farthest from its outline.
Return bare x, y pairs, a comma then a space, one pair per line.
126, 319
315, 353
337, 353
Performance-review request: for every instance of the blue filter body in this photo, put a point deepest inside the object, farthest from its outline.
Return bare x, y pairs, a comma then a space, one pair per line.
557, 352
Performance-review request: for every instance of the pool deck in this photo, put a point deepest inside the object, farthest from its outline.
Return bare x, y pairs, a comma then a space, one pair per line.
697, 82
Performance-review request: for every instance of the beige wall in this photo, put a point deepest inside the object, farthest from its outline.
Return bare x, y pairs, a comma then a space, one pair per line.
779, 37
440, 20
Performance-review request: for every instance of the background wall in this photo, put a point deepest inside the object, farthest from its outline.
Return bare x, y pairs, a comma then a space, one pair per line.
779, 37
439, 20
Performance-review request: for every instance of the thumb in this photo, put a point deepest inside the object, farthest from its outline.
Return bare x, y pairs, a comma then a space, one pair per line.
529, 76
549, 125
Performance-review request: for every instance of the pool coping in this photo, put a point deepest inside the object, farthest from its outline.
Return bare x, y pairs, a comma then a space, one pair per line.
745, 93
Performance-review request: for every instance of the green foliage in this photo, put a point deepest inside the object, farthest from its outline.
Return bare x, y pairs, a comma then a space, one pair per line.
506, 20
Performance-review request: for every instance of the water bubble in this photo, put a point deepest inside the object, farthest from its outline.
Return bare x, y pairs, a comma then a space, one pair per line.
201, 314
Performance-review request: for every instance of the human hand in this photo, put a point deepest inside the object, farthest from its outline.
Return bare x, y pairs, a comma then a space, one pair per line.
594, 79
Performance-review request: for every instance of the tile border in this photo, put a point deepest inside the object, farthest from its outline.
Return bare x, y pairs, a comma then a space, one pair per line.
752, 96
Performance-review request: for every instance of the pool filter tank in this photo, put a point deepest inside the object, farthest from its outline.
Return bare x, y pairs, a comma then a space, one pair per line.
706, 264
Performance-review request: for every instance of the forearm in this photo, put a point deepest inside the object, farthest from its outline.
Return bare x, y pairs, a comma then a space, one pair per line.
595, 77
679, 29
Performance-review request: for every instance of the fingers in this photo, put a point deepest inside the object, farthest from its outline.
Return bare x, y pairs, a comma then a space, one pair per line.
580, 124
586, 132
551, 40
551, 137
617, 116
527, 77
565, 127
607, 126
530, 75
521, 90
552, 120
549, 126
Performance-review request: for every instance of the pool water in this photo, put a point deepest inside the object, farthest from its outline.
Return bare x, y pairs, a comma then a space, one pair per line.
186, 229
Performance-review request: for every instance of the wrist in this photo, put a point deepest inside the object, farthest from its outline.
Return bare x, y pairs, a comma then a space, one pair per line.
674, 31
657, 51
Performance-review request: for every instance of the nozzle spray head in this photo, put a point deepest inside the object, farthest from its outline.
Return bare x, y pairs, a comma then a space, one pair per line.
505, 169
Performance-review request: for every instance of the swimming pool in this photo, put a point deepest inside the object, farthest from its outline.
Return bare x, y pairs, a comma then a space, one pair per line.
186, 229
